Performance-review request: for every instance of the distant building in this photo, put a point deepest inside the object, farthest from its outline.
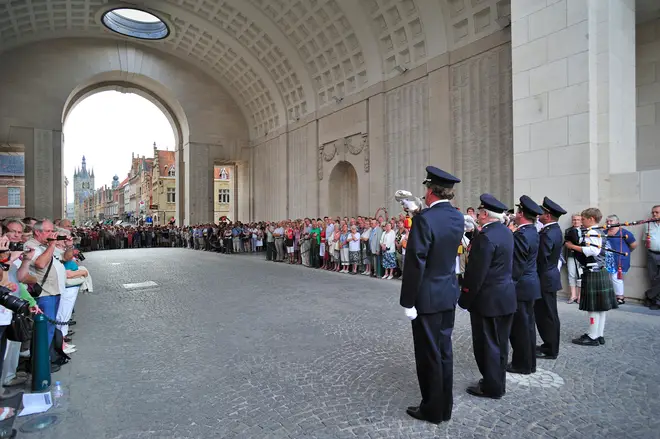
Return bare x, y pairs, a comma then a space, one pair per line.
223, 189
83, 188
162, 204
12, 185
70, 211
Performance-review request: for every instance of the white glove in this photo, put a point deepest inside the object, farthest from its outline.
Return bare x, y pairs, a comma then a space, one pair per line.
407, 204
411, 313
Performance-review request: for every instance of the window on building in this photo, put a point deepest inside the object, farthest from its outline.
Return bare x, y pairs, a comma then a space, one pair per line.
171, 195
223, 196
171, 172
223, 174
14, 197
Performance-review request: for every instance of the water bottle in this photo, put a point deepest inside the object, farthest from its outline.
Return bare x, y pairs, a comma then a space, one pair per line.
58, 395
57, 391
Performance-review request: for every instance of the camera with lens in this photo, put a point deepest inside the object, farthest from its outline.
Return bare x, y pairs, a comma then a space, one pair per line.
13, 303
16, 247
80, 256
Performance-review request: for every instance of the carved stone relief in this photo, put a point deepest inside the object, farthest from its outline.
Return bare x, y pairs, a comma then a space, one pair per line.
356, 144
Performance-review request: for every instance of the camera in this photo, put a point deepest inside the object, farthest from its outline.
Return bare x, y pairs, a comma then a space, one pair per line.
13, 303
16, 247
59, 238
80, 256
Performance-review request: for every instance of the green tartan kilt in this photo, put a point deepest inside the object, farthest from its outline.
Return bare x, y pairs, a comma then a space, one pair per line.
597, 294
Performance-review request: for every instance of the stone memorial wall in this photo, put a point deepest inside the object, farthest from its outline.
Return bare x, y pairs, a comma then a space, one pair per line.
481, 126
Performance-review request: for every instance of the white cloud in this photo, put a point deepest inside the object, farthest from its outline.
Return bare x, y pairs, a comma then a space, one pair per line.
106, 128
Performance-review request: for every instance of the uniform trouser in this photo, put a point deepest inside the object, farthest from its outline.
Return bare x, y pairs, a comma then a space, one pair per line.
490, 343
435, 364
279, 248
547, 322
523, 337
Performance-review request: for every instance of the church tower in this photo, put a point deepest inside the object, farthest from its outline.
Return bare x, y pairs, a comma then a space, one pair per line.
83, 187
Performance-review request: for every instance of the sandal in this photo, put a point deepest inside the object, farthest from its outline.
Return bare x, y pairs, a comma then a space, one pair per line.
621, 300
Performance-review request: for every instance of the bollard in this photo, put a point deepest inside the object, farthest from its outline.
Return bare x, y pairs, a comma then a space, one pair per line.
40, 353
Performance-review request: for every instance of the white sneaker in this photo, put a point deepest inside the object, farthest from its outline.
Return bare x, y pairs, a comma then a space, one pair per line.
389, 277
69, 350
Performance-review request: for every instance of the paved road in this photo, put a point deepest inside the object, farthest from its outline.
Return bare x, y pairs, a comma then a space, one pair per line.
233, 346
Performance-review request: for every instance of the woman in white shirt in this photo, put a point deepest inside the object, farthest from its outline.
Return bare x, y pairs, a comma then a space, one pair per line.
388, 250
354, 248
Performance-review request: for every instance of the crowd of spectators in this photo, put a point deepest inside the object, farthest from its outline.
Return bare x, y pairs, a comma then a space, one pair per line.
40, 265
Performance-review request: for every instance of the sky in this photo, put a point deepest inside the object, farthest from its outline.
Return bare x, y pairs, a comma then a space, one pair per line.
106, 128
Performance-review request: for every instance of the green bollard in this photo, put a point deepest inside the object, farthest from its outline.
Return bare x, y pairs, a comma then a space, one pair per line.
40, 352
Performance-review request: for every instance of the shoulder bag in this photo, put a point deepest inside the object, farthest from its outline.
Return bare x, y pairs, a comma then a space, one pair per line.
35, 289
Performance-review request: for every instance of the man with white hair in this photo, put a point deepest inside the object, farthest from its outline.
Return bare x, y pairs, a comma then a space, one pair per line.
489, 294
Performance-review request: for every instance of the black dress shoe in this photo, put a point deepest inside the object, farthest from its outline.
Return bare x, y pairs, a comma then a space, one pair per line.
71, 323
585, 340
601, 340
416, 413
545, 356
54, 367
477, 391
511, 369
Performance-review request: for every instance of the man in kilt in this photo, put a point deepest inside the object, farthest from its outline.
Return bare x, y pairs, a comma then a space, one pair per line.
597, 295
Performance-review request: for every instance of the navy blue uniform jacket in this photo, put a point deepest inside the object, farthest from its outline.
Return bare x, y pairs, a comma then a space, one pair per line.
488, 288
550, 247
525, 252
430, 283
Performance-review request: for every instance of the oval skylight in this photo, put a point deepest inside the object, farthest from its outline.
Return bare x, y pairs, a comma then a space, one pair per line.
135, 23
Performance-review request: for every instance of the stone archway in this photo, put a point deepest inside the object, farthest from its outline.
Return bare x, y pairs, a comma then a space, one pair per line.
154, 92
343, 184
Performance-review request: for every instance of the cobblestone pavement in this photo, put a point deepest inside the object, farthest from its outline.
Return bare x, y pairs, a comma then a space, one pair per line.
234, 346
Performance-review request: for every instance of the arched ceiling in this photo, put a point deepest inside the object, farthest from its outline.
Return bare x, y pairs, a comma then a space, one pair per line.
280, 59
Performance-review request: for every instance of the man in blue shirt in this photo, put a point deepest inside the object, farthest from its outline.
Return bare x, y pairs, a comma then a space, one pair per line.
617, 265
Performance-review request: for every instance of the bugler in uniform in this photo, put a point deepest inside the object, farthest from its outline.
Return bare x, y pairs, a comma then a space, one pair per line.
429, 292
551, 242
490, 296
528, 288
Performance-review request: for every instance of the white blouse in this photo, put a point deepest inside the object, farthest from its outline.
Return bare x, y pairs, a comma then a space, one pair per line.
388, 239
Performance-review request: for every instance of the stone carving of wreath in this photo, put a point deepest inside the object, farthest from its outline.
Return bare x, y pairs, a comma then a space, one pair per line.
329, 151
353, 149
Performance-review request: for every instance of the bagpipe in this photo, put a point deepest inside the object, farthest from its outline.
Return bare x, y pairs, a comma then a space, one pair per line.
621, 237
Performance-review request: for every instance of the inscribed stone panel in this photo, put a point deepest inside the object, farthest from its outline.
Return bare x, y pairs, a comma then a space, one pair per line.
300, 172
482, 127
270, 180
406, 140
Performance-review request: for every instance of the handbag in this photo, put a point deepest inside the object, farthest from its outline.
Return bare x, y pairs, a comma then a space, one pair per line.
20, 328
36, 289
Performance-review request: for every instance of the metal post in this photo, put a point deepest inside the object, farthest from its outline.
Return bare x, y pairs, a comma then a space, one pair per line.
40, 355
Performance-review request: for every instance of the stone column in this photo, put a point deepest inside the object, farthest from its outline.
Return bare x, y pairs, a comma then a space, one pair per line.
376, 129
241, 193
180, 180
43, 171
574, 98
198, 189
